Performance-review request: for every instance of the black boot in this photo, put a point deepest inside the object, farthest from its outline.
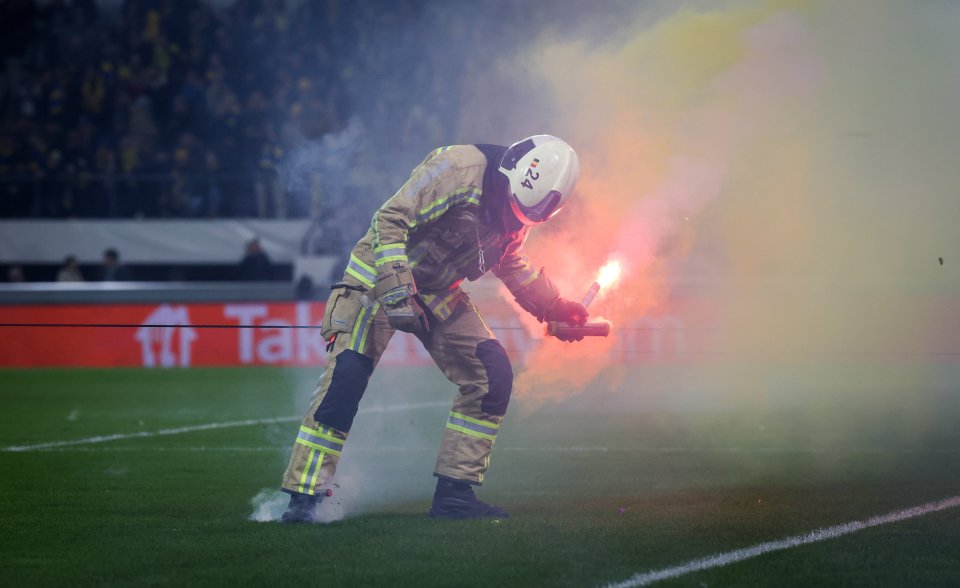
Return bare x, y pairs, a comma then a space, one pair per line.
301, 509
456, 500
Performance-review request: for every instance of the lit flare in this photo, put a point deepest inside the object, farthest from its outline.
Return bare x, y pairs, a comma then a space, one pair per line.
609, 273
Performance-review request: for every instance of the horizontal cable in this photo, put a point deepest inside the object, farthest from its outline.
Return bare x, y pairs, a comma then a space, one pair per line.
686, 353
205, 326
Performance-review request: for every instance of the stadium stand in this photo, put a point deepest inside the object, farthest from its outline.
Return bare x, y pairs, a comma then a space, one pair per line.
190, 109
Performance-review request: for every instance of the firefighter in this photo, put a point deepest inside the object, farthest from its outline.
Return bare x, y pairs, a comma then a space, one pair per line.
466, 210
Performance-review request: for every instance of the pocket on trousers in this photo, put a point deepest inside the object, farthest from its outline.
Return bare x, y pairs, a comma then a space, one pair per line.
341, 312
451, 239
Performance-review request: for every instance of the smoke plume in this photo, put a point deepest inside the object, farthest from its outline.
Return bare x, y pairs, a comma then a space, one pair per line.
790, 166
787, 161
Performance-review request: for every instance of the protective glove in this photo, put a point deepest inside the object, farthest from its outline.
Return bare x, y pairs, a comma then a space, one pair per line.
570, 312
404, 313
567, 311
395, 290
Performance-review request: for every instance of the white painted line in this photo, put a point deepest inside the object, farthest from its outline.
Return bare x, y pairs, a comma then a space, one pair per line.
734, 450
160, 433
154, 449
223, 449
725, 559
207, 427
507, 448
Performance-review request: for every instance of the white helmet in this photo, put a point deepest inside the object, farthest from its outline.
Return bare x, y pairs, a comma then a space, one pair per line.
542, 170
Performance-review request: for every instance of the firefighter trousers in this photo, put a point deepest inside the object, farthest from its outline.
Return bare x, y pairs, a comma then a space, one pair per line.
467, 353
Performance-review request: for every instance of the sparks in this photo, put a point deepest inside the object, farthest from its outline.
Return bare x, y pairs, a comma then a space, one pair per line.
609, 273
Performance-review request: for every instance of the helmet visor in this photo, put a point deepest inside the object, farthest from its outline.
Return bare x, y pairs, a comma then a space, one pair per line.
542, 210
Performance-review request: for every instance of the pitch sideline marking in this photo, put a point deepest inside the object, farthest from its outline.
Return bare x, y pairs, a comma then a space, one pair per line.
206, 427
730, 557
513, 448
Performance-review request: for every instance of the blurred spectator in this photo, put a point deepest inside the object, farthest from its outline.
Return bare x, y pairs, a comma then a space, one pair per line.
304, 289
15, 274
112, 270
255, 265
194, 107
70, 272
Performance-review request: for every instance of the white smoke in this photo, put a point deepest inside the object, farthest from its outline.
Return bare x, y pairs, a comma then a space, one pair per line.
389, 456
269, 505
774, 139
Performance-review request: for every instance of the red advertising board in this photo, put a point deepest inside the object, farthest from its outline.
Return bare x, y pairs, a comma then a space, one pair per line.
262, 340
181, 345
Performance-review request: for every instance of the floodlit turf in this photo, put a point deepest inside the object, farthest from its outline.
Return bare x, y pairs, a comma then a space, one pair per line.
598, 492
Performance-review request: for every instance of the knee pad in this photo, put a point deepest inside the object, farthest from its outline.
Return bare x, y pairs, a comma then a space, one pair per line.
499, 377
350, 376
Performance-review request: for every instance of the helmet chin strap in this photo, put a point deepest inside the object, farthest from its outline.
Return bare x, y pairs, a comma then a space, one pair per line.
481, 259
510, 220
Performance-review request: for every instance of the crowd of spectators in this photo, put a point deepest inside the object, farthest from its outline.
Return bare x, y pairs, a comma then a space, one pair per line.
254, 266
186, 108
110, 270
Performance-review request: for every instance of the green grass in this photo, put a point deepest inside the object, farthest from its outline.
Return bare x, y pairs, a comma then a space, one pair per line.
636, 489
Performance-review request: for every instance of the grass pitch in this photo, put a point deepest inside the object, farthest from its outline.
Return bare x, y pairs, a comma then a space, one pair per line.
599, 489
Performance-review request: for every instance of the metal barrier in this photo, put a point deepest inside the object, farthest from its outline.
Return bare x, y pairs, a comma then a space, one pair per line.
145, 292
150, 195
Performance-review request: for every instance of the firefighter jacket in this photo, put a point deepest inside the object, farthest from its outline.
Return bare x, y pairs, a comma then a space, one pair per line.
449, 222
